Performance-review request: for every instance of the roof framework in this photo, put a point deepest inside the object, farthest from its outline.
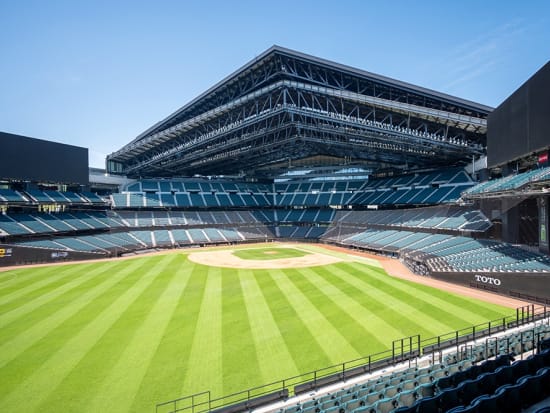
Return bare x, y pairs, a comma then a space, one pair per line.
286, 106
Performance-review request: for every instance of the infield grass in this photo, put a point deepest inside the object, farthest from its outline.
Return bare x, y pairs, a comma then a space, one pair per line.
272, 253
124, 335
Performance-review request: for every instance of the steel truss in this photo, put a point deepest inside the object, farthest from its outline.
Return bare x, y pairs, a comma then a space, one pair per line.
282, 108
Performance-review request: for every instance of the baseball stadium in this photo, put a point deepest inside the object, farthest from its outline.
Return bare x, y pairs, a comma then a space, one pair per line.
302, 237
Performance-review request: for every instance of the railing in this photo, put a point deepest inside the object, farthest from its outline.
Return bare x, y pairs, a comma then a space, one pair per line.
405, 350
531, 298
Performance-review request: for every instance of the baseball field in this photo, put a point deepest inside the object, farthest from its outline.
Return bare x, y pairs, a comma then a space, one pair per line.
123, 335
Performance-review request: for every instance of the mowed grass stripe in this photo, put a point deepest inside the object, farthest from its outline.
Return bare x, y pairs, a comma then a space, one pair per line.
275, 359
485, 310
49, 302
304, 348
20, 343
339, 254
345, 314
128, 305
25, 364
37, 287
19, 278
333, 343
282, 316
429, 319
165, 373
465, 308
368, 297
398, 288
109, 349
29, 274
52, 370
154, 306
239, 359
204, 370
405, 312
432, 308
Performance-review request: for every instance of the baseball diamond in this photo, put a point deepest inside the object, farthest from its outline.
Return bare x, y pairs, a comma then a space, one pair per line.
123, 335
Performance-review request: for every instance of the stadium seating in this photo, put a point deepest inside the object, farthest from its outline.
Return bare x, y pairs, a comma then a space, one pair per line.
443, 253
162, 238
389, 231
421, 188
33, 224
476, 380
460, 254
43, 223
93, 198
35, 196
9, 226
511, 182
39, 196
77, 244
49, 244
441, 217
157, 213
10, 196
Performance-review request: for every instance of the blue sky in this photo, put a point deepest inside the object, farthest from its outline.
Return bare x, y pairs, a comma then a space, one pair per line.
98, 73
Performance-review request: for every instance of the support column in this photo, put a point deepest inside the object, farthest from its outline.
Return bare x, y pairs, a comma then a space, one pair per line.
510, 221
543, 224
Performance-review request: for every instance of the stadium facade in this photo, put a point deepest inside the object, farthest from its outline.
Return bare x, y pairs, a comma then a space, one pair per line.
295, 147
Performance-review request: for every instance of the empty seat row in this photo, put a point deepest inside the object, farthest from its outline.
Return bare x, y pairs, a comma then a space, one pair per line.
441, 252
439, 217
411, 189
167, 186
510, 182
189, 200
483, 388
42, 223
174, 218
35, 196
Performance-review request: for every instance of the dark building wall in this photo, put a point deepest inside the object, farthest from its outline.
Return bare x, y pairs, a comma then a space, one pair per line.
529, 222
510, 220
520, 125
29, 159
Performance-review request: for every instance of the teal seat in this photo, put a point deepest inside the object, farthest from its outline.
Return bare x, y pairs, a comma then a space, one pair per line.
373, 398
390, 392
406, 398
408, 385
354, 404
385, 406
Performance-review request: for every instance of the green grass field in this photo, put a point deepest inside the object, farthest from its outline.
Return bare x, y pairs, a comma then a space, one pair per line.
118, 336
269, 253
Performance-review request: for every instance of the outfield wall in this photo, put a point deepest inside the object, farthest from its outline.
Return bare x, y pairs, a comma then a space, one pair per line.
15, 255
533, 286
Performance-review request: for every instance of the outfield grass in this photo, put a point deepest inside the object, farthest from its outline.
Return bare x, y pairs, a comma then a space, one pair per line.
123, 335
272, 253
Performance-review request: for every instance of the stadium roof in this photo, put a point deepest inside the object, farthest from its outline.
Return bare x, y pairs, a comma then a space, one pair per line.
286, 106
